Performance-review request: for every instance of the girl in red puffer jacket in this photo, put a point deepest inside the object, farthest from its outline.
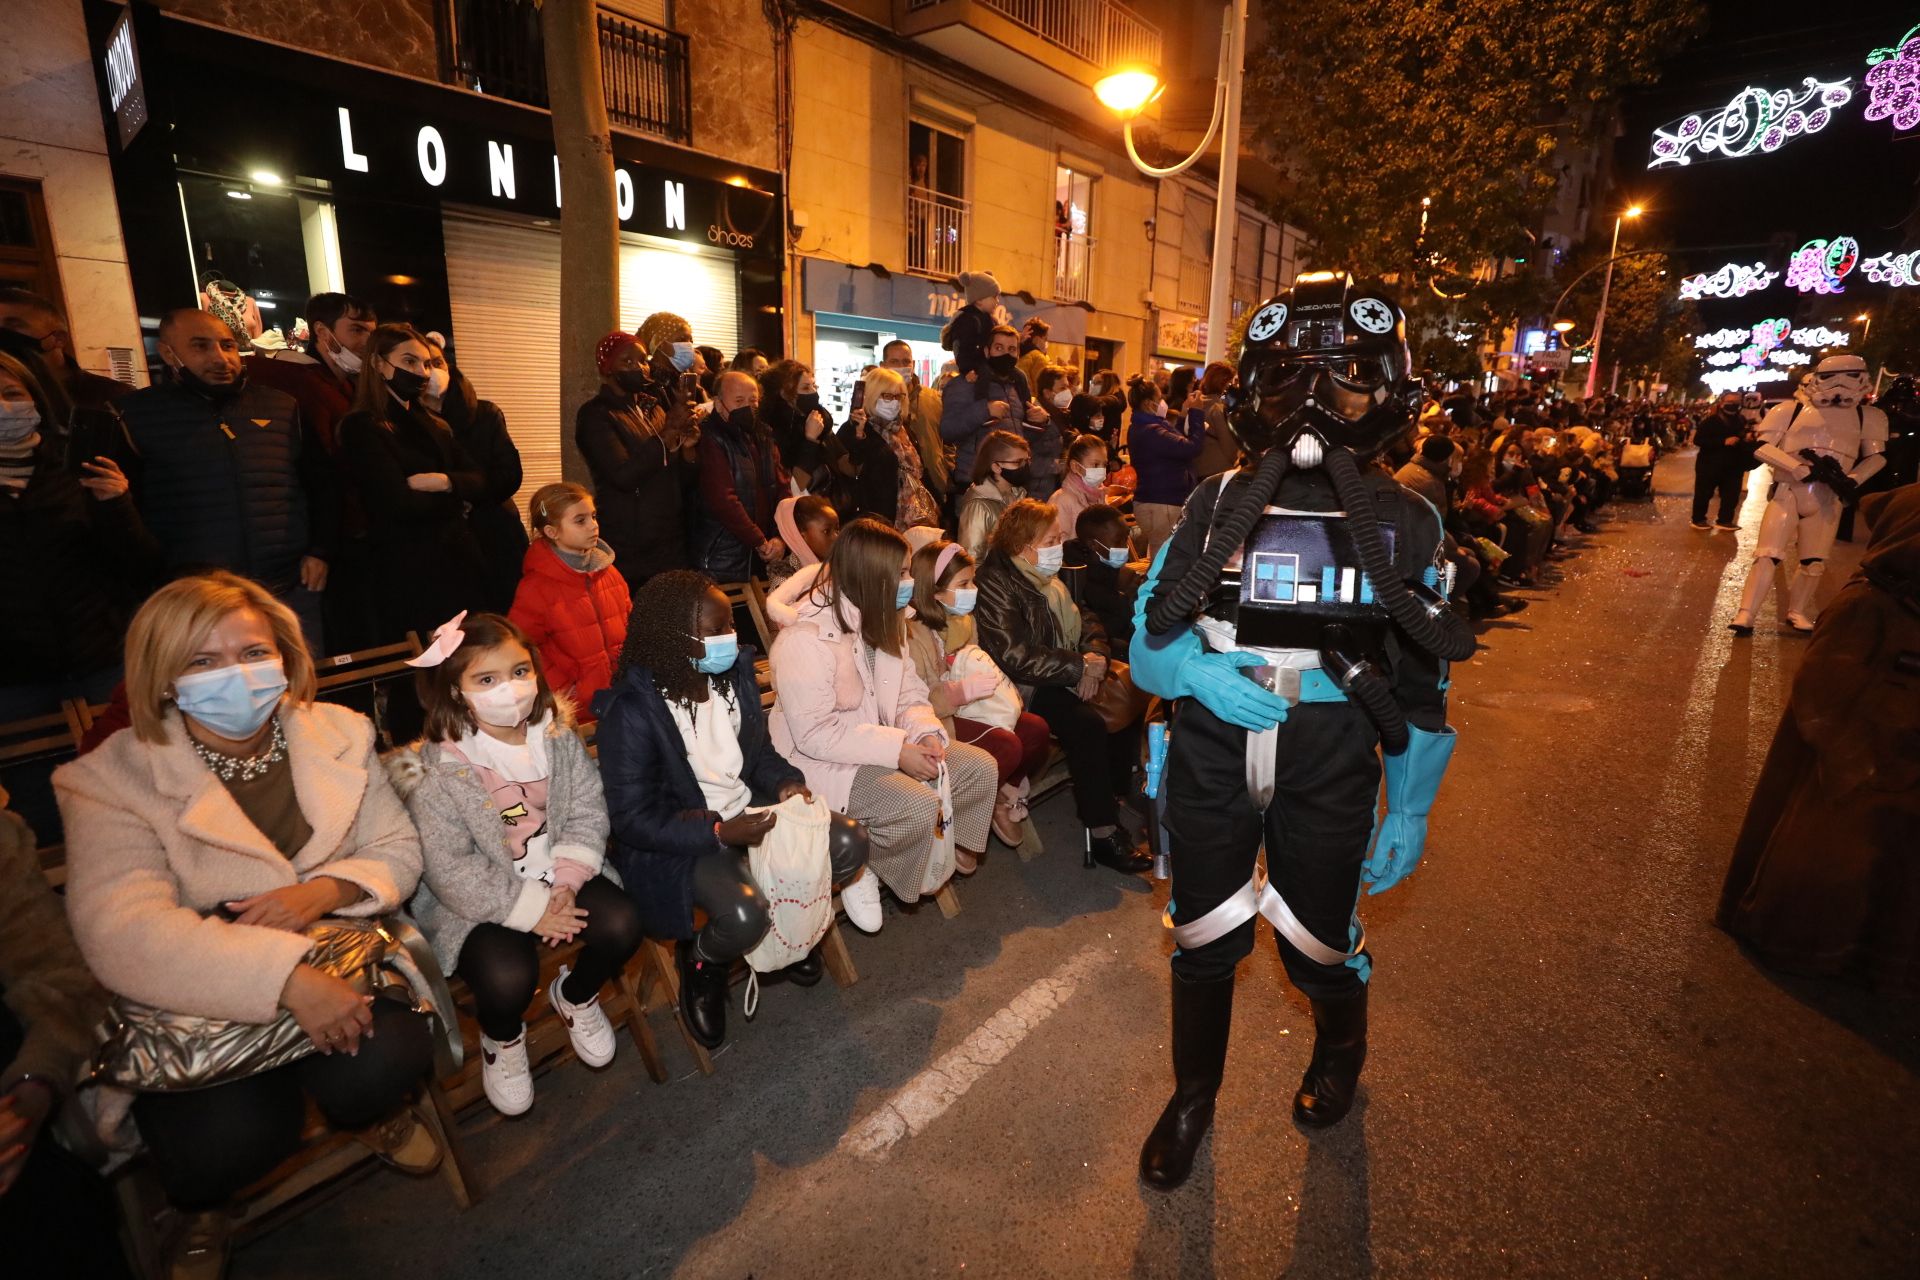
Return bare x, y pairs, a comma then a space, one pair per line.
572, 602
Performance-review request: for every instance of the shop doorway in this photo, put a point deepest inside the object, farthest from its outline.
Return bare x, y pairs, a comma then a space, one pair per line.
1101, 353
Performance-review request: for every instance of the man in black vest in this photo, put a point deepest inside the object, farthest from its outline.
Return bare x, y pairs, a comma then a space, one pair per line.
224, 473
1722, 463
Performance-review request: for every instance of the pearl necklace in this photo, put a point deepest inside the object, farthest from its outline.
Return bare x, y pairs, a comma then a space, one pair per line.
244, 769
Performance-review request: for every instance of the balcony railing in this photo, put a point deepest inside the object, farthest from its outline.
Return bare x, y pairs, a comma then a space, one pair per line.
936, 233
1072, 266
494, 47
1102, 32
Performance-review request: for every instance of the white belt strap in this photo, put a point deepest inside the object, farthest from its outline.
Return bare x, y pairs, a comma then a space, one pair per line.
1261, 749
1258, 897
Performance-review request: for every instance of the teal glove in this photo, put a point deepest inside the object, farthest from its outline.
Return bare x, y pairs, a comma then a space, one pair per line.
1413, 780
1178, 665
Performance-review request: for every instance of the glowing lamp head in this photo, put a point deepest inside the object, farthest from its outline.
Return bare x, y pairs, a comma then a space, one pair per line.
1563, 326
1633, 211
1129, 90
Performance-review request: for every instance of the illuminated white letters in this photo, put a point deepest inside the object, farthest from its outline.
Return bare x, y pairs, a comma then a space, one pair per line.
349, 158
432, 151
622, 194
676, 194
500, 168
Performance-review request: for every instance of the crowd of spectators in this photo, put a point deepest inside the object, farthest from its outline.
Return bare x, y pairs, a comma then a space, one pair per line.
948, 578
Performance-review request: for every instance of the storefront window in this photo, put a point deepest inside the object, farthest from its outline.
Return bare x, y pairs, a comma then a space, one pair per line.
258, 254
841, 355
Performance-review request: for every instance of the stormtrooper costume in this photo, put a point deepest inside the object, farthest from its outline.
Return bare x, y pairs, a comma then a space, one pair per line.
1822, 445
1297, 622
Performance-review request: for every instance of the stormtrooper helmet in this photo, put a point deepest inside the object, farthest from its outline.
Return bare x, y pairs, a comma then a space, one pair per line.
1327, 357
1838, 382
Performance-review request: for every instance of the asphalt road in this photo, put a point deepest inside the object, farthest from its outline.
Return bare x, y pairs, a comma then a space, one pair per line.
1572, 1073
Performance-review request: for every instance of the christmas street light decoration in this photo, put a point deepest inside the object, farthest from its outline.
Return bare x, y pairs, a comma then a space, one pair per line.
1818, 335
1895, 269
1741, 379
1893, 82
1819, 266
1731, 281
1757, 120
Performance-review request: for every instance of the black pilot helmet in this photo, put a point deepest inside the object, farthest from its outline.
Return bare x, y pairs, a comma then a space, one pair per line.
1328, 356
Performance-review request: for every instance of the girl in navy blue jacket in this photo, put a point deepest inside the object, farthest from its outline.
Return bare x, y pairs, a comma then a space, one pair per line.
684, 752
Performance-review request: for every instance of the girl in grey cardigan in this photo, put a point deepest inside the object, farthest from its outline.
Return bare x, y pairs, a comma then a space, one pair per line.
513, 833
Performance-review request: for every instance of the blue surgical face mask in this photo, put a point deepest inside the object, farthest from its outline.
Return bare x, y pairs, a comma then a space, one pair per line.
232, 701
1116, 556
722, 651
903, 594
683, 356
963, 598
1050, 559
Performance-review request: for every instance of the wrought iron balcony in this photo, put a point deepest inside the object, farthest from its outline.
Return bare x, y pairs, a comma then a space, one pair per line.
936, 233
1054, 48
495, 47
1072, 266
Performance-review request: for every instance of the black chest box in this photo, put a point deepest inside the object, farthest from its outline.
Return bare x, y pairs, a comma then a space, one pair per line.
1300, 572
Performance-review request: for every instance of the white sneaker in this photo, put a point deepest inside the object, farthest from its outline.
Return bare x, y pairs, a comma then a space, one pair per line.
505, 1075
587, 1025
862, 901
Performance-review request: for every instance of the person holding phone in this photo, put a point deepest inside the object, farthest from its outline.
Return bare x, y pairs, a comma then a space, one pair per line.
74, 555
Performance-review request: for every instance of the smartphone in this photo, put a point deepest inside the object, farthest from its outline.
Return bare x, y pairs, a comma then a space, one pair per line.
859, 395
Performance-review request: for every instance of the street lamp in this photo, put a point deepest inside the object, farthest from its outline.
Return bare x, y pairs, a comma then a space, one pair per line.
1600, 321
1563, 326
1129, 90
1864, 318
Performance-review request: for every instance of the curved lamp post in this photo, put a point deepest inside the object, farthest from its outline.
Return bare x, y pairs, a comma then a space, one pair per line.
1600, 321
1129, 90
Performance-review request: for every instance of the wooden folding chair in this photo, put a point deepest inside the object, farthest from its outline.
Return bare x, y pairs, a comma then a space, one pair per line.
748, 596
366, 666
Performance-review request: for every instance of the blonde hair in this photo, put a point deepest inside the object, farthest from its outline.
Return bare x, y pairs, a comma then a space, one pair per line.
551, 502
171, 626
880, 380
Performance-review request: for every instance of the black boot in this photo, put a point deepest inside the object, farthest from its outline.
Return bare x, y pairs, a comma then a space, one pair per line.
703, 994
1117, 851
1202, 1018
805, 972
1339, 1049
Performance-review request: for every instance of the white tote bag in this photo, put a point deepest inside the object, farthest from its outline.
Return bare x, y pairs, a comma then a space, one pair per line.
1002, 707
940, 864
795, 875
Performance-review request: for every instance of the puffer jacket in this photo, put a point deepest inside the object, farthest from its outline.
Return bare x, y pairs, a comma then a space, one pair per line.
230, 486
1018, 631
741, 480
578, 620
639, 485
661, 822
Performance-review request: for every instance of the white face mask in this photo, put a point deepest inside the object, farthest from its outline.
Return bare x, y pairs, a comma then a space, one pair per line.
1062, 398
438, 380
885, 410
1049, 559
1160, 409
18, 420
505, 705
1096, 476
348, 362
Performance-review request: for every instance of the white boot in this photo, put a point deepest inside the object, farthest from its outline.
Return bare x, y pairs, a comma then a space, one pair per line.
587, 1025
862, 901
1759, 582
1806, 584
505, 1075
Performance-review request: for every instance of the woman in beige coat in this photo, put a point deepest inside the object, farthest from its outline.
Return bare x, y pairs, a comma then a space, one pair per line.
201, 842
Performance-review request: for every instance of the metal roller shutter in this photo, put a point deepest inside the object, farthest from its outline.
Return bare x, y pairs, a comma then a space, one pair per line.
504, 282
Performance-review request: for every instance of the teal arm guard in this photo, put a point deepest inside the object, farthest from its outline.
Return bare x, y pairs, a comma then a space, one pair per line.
1413, 780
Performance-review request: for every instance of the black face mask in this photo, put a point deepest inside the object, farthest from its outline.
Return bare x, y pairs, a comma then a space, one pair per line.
741, 419
406, 384
219, 393
1017, 476
807, 403
1002, 366
633, 381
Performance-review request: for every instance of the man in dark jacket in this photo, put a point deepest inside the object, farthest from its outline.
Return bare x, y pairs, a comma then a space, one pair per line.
1427, 473
741, 481
1721, 464
322, 380
38, 321
642, 457
994, 399
225, 475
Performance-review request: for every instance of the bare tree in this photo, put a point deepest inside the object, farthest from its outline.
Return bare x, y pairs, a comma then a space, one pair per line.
589, 225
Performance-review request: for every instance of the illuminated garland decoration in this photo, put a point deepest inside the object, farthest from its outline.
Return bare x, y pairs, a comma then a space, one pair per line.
1742, 379
1895, 269
1789, 357
1818, 335
1819, 266
1756, 120
1893, 83
1730, 281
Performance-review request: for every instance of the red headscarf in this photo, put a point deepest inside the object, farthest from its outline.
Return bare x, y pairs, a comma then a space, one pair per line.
609, 347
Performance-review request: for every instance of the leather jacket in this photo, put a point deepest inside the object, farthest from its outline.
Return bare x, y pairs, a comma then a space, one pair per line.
1018, 631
